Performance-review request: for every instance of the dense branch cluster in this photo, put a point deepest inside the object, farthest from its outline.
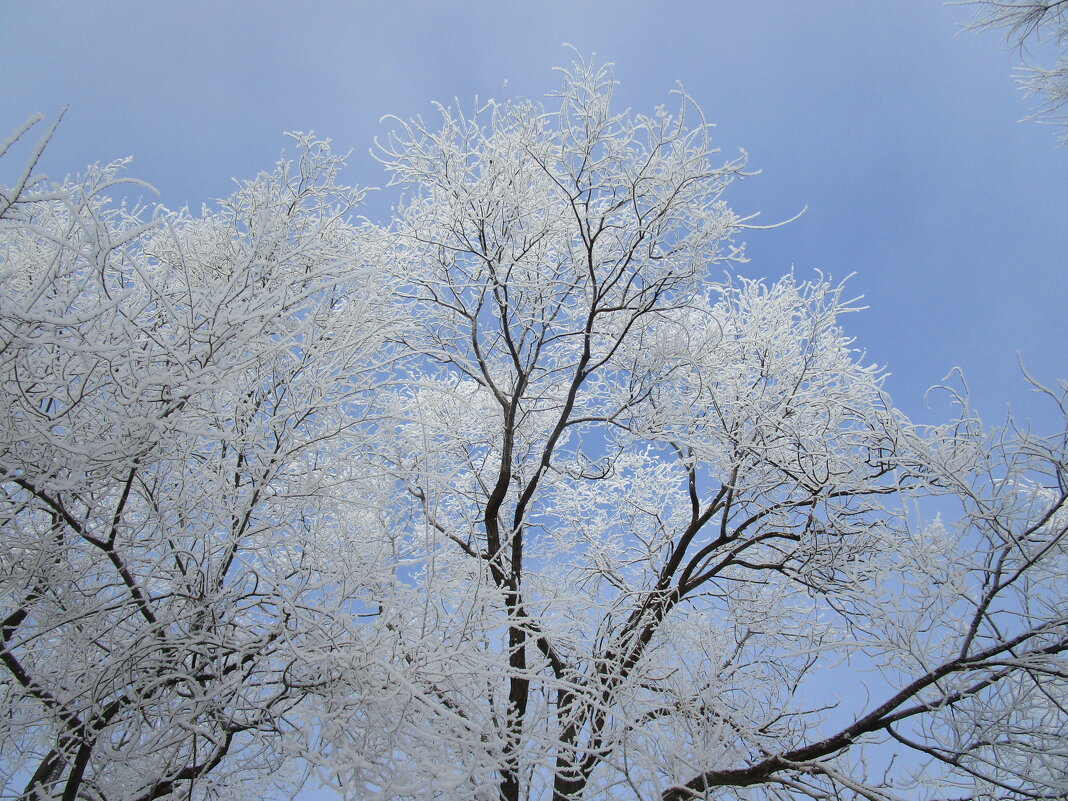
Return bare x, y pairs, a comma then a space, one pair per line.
522, 496
168, 388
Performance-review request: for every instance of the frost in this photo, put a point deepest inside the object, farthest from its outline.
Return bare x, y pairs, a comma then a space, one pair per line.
518, 497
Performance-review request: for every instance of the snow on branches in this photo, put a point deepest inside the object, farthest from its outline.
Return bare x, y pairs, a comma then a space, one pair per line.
521, 496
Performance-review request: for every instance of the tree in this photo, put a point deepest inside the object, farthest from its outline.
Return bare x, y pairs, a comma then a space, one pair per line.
1027, 23
181, 401
644, 513
524, 495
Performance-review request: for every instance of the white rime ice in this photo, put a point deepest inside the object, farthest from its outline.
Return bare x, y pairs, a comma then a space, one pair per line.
523, 495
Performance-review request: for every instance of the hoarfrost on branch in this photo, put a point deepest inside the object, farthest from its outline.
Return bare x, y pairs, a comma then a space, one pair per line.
525, 495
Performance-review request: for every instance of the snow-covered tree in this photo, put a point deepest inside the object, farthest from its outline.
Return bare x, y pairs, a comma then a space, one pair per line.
523, 496
657, 531
182, 397
1030, 25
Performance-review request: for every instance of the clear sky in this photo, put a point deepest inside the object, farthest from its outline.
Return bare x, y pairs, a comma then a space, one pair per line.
899, 134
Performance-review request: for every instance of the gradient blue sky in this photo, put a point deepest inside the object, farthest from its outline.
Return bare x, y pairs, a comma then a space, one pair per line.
899, 134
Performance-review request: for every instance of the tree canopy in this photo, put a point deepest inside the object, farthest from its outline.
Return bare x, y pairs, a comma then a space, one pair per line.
524, 494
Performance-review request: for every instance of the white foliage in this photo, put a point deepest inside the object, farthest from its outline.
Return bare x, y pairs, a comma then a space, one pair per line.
168, 388
520, 497
643, 509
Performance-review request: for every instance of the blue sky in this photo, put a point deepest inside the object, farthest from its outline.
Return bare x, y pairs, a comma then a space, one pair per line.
899, 134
